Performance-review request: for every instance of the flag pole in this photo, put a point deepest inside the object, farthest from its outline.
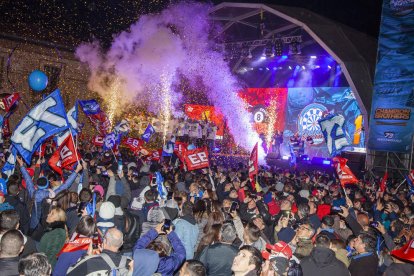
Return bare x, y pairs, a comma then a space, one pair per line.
73, 141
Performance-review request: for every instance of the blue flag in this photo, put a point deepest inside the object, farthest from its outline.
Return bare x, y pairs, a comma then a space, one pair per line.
8, 168
90, 107
122, 128
46, 119
410, 181
72, 116
160, 185
148, 133
333, 129
110, 141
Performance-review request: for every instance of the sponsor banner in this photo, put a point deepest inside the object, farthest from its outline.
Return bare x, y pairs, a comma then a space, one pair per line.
392, 121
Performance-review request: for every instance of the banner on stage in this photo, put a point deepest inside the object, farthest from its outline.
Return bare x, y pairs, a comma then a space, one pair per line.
392, 122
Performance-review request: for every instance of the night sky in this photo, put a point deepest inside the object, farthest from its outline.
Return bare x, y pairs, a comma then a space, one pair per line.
72, 21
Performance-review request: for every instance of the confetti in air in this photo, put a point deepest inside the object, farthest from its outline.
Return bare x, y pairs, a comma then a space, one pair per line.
156, 52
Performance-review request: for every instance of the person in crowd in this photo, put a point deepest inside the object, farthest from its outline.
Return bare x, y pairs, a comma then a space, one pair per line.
77, 246
366, 262
9, 220
55, 234
11, 245
193, 268
107, 262
187, 230
13, 199
35, 264
160, 262
218, 257
248, 262
322, 260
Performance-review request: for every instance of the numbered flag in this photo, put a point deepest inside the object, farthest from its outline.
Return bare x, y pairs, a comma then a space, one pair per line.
64, 157
196, 159
344, 173
332, 127
97, 117
179, 149
133, 144
148, 133
46, 119
10, 102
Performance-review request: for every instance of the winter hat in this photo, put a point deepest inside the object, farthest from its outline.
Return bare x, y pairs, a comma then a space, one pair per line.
304, 193
279, 249
42, 183
107, 210
279, 264
100, 190
279, 186
156, 215
286, 234
145, 262
116, 200
131, 164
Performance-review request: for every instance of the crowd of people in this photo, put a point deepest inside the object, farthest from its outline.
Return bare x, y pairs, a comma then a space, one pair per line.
152, 218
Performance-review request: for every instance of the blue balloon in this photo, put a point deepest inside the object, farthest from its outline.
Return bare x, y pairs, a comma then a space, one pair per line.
38, 80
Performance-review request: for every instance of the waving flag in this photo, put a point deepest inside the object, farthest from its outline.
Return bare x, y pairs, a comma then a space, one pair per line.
110, 141
98, 141
72, 116
122, 128
254, 168
333, 130
64, 157
8, 168
383, 183
345, 174
179, 149
97, 117
133, 143
196, 159
148, 133
410, 181
46, 119
160, 185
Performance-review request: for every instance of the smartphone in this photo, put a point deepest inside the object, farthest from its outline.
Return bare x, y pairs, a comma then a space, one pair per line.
82, 206
170, 195
120, 166
234, 206
154, 180
374, 224
167, 225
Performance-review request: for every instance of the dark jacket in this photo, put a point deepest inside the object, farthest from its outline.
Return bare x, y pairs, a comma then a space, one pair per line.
168, 265
218, 259
365, 264
21, 209
96, 263
322, 262
9, 266
396, 269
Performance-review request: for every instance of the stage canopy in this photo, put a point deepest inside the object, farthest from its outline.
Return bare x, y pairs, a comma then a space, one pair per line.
272, 46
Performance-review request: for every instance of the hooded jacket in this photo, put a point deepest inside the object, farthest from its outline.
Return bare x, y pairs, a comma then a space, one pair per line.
187, 230
322, 262
146, 263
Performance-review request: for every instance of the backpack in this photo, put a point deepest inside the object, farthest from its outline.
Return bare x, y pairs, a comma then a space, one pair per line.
121, 270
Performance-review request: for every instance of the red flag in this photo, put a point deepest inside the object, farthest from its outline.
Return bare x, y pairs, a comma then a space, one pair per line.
133, 144
6, 128
98, 141
154, 155
383, 183
253, 166
64, 157
345, 174
179, 149
196, 159
7, 103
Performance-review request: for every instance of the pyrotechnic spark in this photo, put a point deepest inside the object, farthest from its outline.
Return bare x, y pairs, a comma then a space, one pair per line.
113, 102
166, 106
272, 120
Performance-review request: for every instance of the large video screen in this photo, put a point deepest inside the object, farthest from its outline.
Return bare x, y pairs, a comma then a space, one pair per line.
299, 109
